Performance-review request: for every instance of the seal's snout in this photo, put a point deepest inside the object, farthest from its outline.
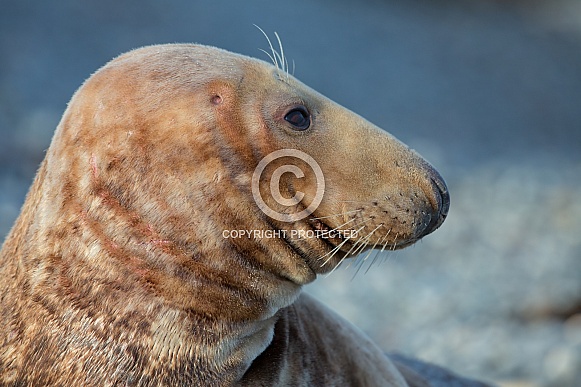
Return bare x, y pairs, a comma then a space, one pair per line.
441, 202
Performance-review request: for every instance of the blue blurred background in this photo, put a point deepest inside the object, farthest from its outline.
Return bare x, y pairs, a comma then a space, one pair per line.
488, 91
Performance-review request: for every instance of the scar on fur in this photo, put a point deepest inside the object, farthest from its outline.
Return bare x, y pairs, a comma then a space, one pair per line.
93, 162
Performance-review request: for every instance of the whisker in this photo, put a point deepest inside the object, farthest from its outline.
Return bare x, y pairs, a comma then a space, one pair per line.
332, 252
386, 235
336, 249
341, 225
358, 241
376, 242
282, 57
394, 242
361, 247
274, 53
372, 232
269, 55
359, 266
338, 264
358, 246
389, 255
377, 252
366, 239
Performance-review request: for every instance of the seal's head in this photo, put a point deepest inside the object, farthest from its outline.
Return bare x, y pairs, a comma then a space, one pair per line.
165, 142
174, 217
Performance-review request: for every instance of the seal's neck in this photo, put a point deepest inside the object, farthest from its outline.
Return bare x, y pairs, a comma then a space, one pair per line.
184, 292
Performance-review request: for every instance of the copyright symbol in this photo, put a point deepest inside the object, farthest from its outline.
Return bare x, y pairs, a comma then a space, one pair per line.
275, 187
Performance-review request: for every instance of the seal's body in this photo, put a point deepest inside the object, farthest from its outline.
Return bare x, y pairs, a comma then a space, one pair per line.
118, 271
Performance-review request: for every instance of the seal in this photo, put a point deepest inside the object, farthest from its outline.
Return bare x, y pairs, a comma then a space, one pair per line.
141, 255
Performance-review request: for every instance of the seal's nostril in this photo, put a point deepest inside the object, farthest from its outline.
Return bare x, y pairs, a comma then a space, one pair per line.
442, 202
444, 195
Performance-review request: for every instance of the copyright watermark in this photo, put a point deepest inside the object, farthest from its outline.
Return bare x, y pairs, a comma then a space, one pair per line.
289, 204
277, 234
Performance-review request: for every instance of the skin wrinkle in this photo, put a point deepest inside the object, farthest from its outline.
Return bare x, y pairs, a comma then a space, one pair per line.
117, 271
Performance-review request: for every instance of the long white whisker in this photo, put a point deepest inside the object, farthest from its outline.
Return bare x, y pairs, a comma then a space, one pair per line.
336, 249
394, 242
269, 55
341, 225
386, 243
284, 64
274, 53
346, 254
333, 251
357, 252
380, 251
358, 246
375, 244
377, 252
280, 59
356, 242
366, 239
338, 264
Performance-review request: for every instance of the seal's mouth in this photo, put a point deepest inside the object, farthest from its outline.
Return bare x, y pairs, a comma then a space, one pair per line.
322, 246
325, 233
344, 241
334, 238
325, 247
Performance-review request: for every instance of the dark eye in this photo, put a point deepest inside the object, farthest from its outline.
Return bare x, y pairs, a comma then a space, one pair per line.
299, 117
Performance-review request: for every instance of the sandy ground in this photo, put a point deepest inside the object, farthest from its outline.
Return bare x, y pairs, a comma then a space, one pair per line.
490, 92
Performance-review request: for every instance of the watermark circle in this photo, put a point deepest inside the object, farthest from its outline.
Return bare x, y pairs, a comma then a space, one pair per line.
274, 185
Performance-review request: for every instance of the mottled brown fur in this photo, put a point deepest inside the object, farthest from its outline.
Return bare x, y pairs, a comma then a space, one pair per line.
116, 271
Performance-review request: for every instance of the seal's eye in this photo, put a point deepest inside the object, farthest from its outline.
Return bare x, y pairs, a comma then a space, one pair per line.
299, 117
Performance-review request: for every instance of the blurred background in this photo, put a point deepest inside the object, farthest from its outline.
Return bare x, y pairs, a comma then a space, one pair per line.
488, 91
